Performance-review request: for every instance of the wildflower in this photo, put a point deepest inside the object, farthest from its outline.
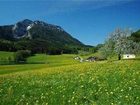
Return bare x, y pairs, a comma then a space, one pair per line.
107, 93
23, 96
112, 103
82, 86
63, 96
130, 88
126, 96
121, 90
37, 101
111, 92
76, 103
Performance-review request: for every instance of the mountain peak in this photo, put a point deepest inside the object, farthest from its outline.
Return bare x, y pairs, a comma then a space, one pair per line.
26, 21
39, 22
22, 28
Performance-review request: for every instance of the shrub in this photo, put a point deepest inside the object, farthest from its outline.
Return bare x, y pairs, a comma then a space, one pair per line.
21, 56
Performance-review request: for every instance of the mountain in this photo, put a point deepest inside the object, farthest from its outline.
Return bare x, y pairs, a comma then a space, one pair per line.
38, 35
37, 29
6, 32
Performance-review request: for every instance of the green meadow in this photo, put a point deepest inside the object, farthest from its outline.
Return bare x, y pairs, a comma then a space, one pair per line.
61, 80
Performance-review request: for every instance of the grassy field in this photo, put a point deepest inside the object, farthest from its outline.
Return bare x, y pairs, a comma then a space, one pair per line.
5, 57
4, 54
53, 60
38, 61
60, 80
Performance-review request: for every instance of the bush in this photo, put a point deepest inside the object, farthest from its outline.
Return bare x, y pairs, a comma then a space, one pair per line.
21, 56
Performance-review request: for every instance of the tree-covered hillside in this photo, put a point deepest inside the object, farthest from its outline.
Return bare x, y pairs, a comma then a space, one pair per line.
136, 36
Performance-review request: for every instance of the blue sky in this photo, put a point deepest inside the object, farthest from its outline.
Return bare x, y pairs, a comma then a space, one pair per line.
90, 21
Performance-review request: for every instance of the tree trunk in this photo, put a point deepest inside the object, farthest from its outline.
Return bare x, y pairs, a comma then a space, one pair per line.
119, 56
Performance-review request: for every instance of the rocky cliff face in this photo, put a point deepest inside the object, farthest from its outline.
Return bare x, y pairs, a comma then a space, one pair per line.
20, 28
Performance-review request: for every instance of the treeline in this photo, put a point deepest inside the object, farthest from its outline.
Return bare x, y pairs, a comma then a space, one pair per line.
37, 46
135, 36
44, 46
